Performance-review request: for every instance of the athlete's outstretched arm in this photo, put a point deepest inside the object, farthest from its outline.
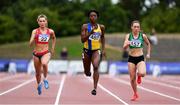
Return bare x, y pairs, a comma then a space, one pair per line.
32, 38
126, 42
148, 46
103, 39
53, 41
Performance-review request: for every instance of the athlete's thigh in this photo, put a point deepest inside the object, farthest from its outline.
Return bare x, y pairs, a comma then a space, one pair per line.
86, 61
132, 69
141, 67
96, 56
37, 63
45, 58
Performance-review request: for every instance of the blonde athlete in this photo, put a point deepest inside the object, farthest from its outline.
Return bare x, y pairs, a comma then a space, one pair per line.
134, 41
41, 54
92, 36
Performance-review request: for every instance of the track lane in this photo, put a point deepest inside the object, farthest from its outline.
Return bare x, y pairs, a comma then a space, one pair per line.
77, 90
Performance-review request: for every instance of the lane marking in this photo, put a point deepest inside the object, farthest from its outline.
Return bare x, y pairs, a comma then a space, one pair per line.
162, 84
16, 87
110, 93
60, 90
10, 77
146, 89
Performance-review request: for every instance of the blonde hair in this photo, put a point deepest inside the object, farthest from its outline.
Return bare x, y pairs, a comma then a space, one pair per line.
41, 16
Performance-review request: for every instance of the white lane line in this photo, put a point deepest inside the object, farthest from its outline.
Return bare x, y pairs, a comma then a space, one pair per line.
10, 77
60, 90
146, 89
109, 92
162, 84
16, 87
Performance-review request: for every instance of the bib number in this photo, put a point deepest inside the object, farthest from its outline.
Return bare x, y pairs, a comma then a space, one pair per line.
135, 43
95, 36
43, 38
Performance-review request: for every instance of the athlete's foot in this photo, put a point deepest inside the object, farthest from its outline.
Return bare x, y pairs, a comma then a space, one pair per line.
93, 92
134, 98
139, 80
46, 84
39, 88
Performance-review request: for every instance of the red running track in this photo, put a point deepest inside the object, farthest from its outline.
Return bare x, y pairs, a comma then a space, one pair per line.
20, 89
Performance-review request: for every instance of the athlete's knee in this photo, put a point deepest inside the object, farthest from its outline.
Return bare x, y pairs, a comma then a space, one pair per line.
142, 74
38, 74
132, 80
96, 67
44, 65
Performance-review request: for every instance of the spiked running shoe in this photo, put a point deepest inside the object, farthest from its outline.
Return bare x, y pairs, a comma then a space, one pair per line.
46, 84
39, 89
139, 80
93, 92
134, 98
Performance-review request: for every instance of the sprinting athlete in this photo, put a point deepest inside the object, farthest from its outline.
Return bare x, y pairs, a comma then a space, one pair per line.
41, 54
92, 36
134, 41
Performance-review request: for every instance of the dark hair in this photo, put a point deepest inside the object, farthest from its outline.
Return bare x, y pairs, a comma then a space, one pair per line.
135, 21
93, 10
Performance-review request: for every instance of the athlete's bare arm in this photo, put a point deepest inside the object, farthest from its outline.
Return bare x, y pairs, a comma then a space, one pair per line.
53, 36
103, 39
148, 46
126, 42
32, 38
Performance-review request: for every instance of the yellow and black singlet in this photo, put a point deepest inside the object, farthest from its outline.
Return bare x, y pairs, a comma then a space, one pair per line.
93, 42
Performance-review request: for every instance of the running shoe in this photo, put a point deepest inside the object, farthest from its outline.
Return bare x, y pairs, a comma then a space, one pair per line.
134, 98
139, 80
93, 92
88, 74
39, 88
46, 84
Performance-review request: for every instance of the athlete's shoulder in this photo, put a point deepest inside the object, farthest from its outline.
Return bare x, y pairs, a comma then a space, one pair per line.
84, 26
34, 31
128, 34
102, 26
50, 30
144, 35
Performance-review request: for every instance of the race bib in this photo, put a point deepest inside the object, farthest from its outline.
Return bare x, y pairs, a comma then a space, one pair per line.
95, 36
136, 43
43, 38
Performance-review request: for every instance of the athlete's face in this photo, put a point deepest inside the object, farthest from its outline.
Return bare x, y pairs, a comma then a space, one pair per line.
135, 27
93, 16
42, 22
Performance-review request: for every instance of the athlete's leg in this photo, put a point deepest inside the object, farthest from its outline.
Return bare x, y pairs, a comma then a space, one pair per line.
132, 73
141, 67
45, 59
86, 64
95, 62
37, 65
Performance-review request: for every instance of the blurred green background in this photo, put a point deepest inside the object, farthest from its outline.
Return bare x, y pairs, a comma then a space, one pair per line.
65, 17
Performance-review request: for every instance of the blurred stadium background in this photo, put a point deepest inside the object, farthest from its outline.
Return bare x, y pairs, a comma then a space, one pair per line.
18, 19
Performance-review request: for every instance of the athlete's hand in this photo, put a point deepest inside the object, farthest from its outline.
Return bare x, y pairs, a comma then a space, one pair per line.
148, 56
52, 52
